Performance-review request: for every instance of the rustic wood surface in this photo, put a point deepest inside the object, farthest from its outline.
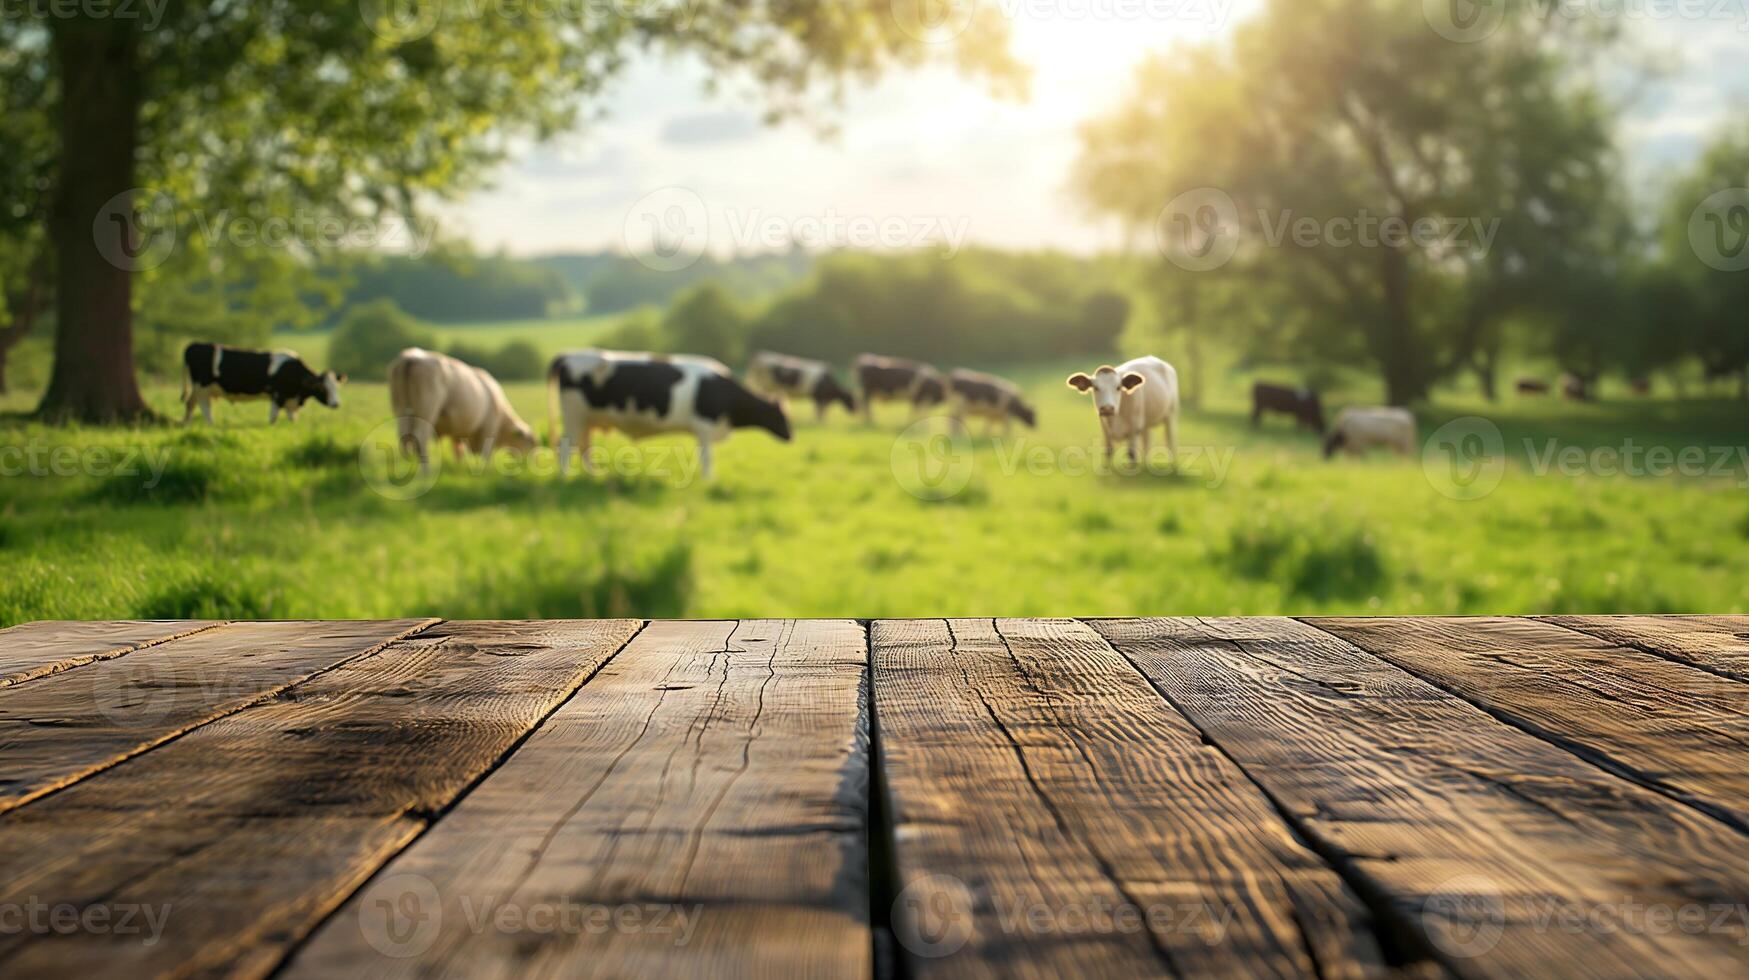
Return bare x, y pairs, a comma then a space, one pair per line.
1326, 798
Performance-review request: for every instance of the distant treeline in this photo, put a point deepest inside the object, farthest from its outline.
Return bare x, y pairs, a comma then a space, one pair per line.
978, 307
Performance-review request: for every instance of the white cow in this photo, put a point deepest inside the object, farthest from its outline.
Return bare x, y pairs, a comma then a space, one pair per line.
436, 396
643, 395
1132, 398
1360, 429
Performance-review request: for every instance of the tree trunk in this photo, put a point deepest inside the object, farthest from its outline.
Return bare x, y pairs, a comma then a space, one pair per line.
93, 379
1405, 376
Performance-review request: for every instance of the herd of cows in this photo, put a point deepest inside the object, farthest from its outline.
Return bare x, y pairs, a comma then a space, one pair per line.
434, 396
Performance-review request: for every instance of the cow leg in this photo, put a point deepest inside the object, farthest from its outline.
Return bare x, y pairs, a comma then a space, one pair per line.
704, 456
1130, 444
206, 407
820, 413
1147, 446
188, 407
272, 412
291, 413
586, 446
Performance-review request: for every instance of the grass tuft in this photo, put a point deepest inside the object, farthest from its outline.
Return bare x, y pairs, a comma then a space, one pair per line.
1313, 560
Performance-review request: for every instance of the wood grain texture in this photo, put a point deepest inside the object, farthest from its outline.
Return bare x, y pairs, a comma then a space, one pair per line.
1053, 816
58, 729
32, 650
1508, 856
1666, 725
698, 809
1719, 644
248, 831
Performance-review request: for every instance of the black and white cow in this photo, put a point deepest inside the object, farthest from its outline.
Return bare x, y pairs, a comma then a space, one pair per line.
889, 379
212, 371
990, 398
645, 395
1303, 404
781, 376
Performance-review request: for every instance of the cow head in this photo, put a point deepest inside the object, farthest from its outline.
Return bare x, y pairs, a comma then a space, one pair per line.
829, 391
1333, 442
1107, 387
931, 390
749, 411
517, 436
1024, 413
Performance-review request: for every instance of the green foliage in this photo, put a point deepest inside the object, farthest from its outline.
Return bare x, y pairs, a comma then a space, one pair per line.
639, 331
454, 286
1314, 559
706, 320
371, 337
213, 593
517, 360
1708, 302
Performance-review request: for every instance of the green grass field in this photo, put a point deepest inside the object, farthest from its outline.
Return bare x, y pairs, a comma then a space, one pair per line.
243, 520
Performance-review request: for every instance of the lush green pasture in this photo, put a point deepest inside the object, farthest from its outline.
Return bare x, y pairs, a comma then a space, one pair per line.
250, 521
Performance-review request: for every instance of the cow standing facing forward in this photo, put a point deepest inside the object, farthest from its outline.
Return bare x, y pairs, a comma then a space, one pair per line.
235, 374
1131, 399
645, 395
436, 396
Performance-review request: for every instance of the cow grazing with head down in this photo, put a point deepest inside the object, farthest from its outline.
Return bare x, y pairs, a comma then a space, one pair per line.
1575, 389
888, 379
645, 395
1303, 404
1536, 387
1360, 429
780, 376
212, 371
435, 396
990, 398
1131, 399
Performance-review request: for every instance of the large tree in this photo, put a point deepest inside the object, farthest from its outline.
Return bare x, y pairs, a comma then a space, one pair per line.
169, 118
1337, 115
1706, 251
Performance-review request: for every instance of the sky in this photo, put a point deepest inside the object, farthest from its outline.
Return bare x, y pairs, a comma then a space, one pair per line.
930, 157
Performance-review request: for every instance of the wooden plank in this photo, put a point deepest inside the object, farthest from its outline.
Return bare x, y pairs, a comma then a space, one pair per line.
1053, 816
1719, 644
32, 650
59, 729
1478, 834
1676, 729
697, 810
247, 832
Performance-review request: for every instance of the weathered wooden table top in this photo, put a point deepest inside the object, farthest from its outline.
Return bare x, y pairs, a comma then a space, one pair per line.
1323, 798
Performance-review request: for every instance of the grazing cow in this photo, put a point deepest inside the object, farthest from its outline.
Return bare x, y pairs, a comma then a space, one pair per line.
1575, 388
1303, 404
436, 396
990, 398
1640, 386
780, 376
1360, 429
215, 371
889, 379
1132, 398
1532, 386
650, 394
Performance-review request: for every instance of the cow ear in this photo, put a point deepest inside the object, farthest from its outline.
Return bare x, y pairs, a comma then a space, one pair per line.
1132, 381
1080, 382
